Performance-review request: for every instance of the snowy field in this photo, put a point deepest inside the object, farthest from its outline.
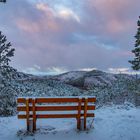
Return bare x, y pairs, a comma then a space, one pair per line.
111, 123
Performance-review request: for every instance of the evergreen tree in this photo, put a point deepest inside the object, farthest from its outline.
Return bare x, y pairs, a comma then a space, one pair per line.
136, 61
6, 52
3, 1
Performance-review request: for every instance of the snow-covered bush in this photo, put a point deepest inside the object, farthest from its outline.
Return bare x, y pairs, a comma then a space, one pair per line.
7, 99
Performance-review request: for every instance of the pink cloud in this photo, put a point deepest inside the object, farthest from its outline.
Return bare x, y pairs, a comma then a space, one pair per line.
125, 53
27, 25
50, 20
113, 16
117, 26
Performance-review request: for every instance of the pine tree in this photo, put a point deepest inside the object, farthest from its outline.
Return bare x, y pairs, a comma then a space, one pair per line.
6, 52
3, 1
136, 61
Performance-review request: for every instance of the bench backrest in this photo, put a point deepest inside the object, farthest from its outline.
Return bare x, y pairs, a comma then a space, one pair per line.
55, 107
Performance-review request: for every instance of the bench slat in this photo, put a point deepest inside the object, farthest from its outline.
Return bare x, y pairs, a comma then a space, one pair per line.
23, 100
54, 108
55, 100
39, 116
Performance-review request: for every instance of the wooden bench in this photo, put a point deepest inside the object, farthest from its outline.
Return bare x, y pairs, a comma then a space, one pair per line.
31, 106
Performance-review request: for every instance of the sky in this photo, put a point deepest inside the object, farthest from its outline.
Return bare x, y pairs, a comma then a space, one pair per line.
55, 36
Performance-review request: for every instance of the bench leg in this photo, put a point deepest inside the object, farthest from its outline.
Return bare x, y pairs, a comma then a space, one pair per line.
34, 114
27, 121
27, 113
34, 125
85, 113
85, 123
79, 124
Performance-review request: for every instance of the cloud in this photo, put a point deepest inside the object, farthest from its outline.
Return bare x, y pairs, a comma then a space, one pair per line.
67, 13
70, 34
50, 19
112, 18
118, 70
87, 69
122, 71
117, 26
36, 70
27, 25
56, 70
59, 11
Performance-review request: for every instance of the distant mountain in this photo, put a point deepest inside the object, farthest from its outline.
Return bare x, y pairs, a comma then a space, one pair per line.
85, 80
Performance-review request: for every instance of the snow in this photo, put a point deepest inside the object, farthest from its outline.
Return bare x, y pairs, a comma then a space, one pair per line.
114, 122
71, 75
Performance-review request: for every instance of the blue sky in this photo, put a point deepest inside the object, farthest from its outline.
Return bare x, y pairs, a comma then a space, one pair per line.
60, 35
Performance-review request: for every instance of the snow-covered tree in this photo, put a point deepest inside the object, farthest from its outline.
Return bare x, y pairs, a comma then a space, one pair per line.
6, 52
3, 1
136, 61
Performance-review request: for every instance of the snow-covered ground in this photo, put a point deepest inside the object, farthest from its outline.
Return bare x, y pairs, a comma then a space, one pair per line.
116, 122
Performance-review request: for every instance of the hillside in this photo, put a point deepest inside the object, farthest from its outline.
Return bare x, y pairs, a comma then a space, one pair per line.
116, 88
87, 80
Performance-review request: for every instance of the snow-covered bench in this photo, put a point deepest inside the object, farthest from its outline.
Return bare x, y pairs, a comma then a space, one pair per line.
32, 109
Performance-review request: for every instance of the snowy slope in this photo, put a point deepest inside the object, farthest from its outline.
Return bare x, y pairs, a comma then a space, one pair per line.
111, 123
90, 79
74, 78
116, 88
70, 75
